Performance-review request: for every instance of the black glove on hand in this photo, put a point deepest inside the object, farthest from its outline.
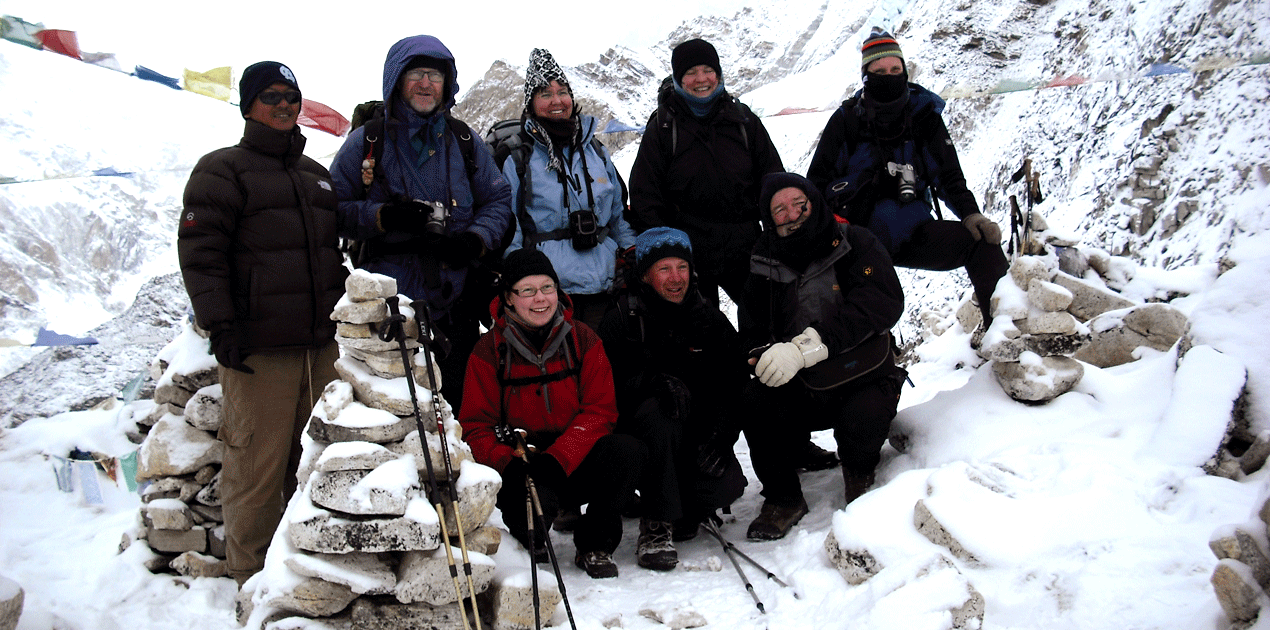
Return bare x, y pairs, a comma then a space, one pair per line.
228, 349
673, 397
404, 215
549, 479
460, 249
714, 455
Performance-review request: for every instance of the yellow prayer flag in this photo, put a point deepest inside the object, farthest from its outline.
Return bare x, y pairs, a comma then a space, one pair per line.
214, 83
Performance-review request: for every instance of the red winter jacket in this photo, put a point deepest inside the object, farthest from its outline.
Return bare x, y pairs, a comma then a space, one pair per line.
552, 410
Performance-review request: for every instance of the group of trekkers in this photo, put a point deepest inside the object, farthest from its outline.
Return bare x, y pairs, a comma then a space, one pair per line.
608, 373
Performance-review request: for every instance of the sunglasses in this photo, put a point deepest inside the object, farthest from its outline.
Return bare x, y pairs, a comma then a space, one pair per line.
273, 98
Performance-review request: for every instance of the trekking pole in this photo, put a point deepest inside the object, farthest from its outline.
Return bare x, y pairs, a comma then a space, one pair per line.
713, 531
522, 450
739, 571
533, 558
395, 330
425, 326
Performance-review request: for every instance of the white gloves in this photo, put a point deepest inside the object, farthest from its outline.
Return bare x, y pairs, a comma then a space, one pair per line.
982, 228
782, 361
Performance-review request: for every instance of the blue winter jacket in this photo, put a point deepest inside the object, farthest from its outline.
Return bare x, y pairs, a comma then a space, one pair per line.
550, 201
481, 205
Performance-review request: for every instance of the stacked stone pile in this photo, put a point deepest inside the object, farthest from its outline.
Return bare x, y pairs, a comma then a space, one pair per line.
178, 465
1242, 576
360, 544
1057, 309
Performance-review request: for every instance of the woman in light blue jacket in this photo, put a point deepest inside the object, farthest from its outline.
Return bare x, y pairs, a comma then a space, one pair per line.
569, 199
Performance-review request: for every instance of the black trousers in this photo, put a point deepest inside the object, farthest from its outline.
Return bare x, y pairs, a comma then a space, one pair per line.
780, 417
672, 486
605, 482
462, 332
937, 245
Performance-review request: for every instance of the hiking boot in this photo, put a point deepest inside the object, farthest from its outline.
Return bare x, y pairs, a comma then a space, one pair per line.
654, 550
857, 483
567, 520
775, 521
685, 529
811, 457
597, 564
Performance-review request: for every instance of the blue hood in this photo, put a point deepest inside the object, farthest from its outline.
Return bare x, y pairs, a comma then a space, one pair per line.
426, 45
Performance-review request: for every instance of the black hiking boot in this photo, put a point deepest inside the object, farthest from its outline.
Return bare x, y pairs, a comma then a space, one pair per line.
597, 564
857, 483
654, 550
775, 521
811, 458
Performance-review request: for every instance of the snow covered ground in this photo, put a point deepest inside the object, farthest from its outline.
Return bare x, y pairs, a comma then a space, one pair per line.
1089, 512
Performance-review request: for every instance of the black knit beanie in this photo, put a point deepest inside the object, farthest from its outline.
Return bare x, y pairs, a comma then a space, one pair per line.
694, 52
259, 76
526, 262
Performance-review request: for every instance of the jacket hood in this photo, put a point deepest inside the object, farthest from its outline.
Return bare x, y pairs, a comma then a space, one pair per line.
426, 45
809, 241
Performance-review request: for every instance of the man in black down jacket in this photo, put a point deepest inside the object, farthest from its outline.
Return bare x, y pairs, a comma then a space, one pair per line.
819, 291
698, 169
259, 253
677, 366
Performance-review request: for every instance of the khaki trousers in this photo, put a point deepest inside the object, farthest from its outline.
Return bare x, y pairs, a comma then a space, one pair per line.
265, 414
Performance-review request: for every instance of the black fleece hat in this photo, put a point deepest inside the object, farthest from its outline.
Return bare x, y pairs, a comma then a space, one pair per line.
526, 262
259, 76
694, 52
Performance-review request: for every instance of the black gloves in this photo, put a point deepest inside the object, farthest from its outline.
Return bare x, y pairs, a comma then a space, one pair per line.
404, 215
548, 476
459, 250
673, 396
227, 347
714, 455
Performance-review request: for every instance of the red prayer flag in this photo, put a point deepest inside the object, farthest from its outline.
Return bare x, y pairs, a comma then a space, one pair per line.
318, 116
64, 42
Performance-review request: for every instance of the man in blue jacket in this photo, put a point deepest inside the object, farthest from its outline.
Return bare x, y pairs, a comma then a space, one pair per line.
430, 201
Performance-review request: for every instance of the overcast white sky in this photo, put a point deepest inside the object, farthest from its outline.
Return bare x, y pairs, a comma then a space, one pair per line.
337, 48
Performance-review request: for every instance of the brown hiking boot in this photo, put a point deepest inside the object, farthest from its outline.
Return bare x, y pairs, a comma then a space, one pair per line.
775, 521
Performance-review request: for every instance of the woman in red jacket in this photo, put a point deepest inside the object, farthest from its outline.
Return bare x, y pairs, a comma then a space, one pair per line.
541, 372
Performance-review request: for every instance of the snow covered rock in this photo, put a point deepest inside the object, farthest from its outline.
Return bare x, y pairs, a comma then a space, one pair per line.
173, 448
11, 597
1117, 334
512, 601
424, 576
1038, 379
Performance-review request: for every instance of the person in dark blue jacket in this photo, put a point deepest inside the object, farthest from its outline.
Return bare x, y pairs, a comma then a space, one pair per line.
886, 155
423, 213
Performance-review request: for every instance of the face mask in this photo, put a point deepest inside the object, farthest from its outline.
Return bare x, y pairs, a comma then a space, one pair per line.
884, 88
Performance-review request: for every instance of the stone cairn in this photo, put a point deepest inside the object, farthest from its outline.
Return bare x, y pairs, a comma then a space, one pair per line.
178, 464
1055, 309
360, 543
